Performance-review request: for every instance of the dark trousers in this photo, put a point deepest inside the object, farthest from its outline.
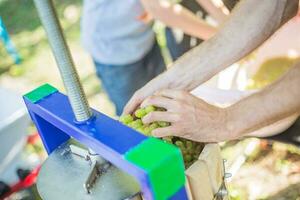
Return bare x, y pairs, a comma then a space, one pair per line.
121, 81
290, 136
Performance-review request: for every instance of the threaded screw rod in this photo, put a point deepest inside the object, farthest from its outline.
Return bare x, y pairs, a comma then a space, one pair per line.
63, 59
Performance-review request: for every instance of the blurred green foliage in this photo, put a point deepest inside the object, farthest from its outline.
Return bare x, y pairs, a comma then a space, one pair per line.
22, 22
21, 15
270, 71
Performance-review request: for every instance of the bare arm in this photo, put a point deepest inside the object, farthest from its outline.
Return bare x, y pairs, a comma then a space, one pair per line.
226, 98
250, 24
263, 113
272, 104
176, 16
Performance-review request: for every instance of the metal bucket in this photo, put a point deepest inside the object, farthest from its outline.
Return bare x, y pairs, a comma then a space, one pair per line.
14, 121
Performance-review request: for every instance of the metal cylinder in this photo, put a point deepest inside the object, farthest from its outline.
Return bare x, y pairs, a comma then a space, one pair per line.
64, 60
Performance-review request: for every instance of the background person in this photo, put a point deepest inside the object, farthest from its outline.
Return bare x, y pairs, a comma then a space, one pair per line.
124, 50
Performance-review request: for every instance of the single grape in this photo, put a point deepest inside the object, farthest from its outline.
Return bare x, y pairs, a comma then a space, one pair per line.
189, 145
184, 151
154, 126
179, 143
139, 122
135, 124
140, 129
140, 113
149, 109
131, 125
163, 124
188, 158
168, 140
126, 119
147, 130
190, 151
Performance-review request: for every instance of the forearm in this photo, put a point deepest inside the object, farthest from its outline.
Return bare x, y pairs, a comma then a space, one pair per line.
274, 103
250, 24
273, 129
176, 16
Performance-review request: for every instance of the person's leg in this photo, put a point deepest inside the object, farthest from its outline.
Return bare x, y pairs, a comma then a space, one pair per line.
178, 48
174, 47
290, 136
121, 81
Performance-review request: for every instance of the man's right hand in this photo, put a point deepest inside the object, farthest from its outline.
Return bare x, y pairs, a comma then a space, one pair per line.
158, 83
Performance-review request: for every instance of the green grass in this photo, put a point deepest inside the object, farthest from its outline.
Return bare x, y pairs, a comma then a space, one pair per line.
22, 22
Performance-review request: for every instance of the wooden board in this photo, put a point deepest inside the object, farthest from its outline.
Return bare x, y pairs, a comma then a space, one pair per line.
205, 176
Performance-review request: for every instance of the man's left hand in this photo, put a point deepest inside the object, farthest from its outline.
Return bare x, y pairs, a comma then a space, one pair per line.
190, 117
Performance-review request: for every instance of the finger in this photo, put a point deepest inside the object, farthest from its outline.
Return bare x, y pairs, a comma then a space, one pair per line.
132, 104
174, 94
164, 132
160, 116
159, 101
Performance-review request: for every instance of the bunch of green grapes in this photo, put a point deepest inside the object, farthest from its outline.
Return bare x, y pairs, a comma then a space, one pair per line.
189, 149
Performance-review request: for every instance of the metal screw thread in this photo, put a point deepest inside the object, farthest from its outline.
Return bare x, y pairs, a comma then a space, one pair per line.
64, 60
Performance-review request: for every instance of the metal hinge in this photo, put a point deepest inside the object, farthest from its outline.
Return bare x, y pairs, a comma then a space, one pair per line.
223, 192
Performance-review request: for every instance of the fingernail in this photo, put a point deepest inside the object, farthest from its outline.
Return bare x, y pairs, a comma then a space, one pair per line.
145, 121
144, 103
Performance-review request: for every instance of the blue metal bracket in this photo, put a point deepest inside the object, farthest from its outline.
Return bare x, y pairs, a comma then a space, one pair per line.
55, 122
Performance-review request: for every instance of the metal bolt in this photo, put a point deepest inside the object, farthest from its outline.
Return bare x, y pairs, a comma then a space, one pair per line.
227, 175
222, 193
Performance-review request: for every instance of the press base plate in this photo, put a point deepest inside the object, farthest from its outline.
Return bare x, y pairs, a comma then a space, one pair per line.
63, 174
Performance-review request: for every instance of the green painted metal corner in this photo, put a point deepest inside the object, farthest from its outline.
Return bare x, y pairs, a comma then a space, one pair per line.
40, 93
164, 164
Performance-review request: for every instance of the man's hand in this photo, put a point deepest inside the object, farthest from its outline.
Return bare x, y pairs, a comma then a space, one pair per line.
249, 25
190, 117
195, 119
